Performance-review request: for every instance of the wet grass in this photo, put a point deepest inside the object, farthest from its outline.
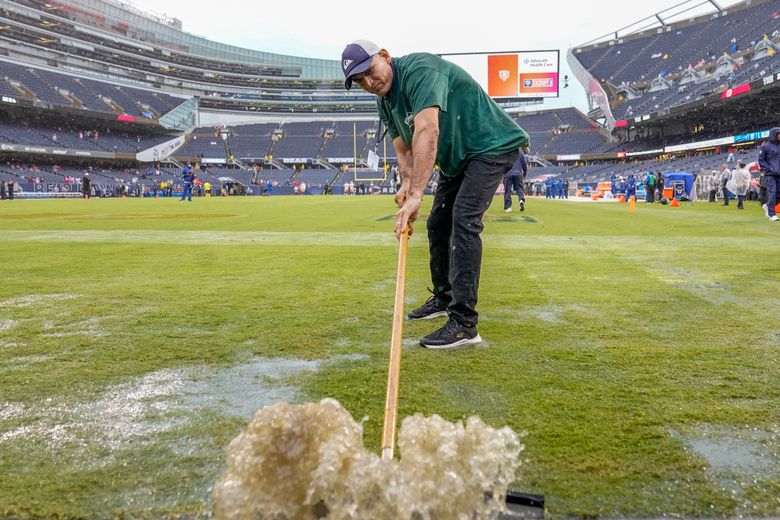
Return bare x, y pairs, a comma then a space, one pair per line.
618, 342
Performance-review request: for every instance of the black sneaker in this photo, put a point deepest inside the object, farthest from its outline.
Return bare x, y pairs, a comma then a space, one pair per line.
522, 205
452, 334
433, 308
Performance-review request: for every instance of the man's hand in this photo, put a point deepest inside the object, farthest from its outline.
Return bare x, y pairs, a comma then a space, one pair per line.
407, 215
402, 194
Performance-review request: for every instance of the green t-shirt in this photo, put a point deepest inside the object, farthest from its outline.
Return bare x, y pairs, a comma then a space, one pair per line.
470, 123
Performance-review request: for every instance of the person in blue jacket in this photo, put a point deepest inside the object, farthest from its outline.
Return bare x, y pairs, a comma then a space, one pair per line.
630, 187
769, 162
560, 187
514, 179
548, 187
188, 178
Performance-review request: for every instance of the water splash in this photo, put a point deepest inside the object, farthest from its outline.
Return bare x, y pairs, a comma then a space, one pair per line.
308, 461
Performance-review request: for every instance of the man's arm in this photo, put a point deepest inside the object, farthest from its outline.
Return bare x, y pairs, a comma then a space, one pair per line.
405, 166
423, 158
763, 164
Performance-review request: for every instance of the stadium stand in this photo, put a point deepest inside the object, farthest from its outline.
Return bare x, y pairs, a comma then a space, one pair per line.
291, 118
696, 58
318, 177
251, 148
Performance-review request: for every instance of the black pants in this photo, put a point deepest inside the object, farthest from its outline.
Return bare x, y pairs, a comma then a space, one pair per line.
454, 226
513, 182
772, 192
725, 194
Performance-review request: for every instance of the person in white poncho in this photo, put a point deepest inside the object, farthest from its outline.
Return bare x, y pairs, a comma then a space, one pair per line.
738, 183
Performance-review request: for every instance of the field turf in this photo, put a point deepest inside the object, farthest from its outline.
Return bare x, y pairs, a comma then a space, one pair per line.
640, 352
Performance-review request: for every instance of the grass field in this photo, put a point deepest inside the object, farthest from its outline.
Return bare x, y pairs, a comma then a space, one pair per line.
640, 352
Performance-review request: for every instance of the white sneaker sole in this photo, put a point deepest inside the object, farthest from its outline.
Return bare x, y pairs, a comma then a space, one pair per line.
430, 316
460, 343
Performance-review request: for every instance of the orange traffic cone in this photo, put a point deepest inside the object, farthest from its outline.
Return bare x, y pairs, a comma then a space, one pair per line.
675, 203
632, 204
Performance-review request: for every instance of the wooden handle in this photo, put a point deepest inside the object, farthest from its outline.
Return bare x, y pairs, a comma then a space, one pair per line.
394, 369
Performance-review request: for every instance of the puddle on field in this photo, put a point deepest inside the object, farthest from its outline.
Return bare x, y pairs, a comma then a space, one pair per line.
698, 284
134, 413
475, 398
30, 300
25, 361
11, 411
241, 390
382, 285
732, 455
546, 313
90, 327
342, 342
7, 324
736, 457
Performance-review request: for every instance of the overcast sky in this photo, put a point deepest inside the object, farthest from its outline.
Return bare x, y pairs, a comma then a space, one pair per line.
321, 29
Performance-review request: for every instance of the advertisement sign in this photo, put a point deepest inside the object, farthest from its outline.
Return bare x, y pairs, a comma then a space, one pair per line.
512, 75
502, 75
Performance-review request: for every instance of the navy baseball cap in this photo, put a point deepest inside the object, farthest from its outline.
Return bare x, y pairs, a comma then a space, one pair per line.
356, 59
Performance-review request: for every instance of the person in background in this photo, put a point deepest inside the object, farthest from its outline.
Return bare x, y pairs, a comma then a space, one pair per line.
712, 186
515, 179
739, 183
548, 187
723, 178
631, 187
188, 179
437, 114
650, 187
769, 162
86, 185
559, 187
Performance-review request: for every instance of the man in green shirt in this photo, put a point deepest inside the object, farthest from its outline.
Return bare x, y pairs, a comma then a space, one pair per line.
436, 114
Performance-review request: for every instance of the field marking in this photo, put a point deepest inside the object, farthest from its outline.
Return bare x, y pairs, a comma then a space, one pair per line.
347, 238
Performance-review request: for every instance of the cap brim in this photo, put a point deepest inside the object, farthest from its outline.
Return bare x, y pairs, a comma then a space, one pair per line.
357, 69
